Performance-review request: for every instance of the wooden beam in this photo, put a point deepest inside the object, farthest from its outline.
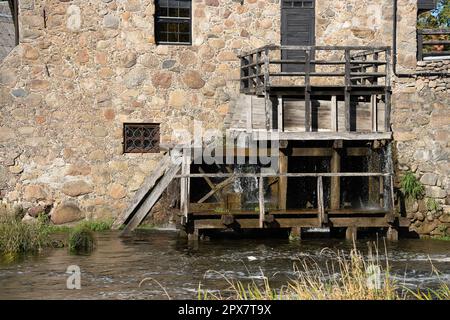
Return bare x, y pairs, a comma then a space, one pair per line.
300, 135
335, 192
347, 96
374, 112
218, 186
351, 233
261, 201
280, 116
323, 219
211, 185
334, 114
282, 180
185, 183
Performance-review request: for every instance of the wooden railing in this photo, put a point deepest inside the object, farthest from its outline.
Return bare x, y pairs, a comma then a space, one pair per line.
387, 201
433, 44
333, 72
341, 65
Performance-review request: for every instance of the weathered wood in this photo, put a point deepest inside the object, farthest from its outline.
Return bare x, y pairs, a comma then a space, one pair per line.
334, 114
323, 219
266, 175
299, 135
227, 219
280, 117
261, 201
351, 233
218, 186
149, 183
392, 234
374, 112
308, 105
185, 183
347, 96
211, 185
144, 209
282, 180
335, 192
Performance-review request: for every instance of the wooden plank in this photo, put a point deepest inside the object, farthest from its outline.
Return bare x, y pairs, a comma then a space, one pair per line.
211, 185
185, 183
335, 192
280, 117
218, 186
300, 135
282, 180
374, 112
266, 175
261, 201
347, 96
334, 114
308, 105
323, 219
154, 195
139, 196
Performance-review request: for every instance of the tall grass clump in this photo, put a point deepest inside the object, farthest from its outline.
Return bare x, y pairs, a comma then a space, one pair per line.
345, 277
98, 225
19, 237
411, 187
81, 239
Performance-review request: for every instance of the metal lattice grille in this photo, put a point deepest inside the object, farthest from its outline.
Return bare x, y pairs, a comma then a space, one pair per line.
141, 138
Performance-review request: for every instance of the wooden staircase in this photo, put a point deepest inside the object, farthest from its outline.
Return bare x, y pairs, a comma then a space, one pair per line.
151, 190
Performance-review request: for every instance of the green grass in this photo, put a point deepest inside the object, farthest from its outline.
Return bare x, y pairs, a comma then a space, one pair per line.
412, 188
19, 237
344, 278
81, 239
433, 205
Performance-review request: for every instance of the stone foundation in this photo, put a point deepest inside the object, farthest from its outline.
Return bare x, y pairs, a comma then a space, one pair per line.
421, 125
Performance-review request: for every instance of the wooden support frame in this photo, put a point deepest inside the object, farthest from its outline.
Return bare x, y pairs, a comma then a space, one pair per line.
262, 210
334, 114
185, 183
374, 112
282, 180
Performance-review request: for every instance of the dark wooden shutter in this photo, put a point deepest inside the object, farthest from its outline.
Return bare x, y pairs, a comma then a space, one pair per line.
426, 4
297, 28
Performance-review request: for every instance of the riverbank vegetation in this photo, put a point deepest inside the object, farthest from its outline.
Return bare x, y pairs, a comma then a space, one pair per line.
345, 277
19, 236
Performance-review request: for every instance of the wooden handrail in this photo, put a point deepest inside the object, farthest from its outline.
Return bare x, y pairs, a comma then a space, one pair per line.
423, 43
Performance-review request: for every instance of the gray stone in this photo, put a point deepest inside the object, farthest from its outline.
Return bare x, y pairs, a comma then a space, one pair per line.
167, 64
429, 179
111, 21
435, 192
19, 93
135, 77
74, 18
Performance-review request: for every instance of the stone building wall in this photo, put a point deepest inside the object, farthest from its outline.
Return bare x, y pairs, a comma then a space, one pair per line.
84, 67
421, 126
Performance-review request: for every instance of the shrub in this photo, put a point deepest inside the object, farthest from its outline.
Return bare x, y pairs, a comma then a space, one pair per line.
18, 237
81, 239
412, 188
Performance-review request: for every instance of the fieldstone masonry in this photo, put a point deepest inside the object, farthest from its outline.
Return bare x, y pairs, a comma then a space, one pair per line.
7, 30
92, 65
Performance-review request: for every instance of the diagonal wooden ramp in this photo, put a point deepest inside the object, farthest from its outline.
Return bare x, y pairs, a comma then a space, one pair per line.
151, 190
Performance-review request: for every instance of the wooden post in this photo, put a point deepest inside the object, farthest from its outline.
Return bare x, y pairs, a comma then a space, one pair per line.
392, 234
185, 183
296, 233
280, 115
323, 219
307, 93
195, 236
334, 114
261, 201
374, 112
335, 196
250, 116
283, 180
387, 94
347, 95
419, 45
351, 233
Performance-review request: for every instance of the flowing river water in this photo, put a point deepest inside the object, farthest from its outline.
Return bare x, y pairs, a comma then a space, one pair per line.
117, 266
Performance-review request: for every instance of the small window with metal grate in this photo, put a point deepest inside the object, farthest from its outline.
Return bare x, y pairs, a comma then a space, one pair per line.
141, 137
